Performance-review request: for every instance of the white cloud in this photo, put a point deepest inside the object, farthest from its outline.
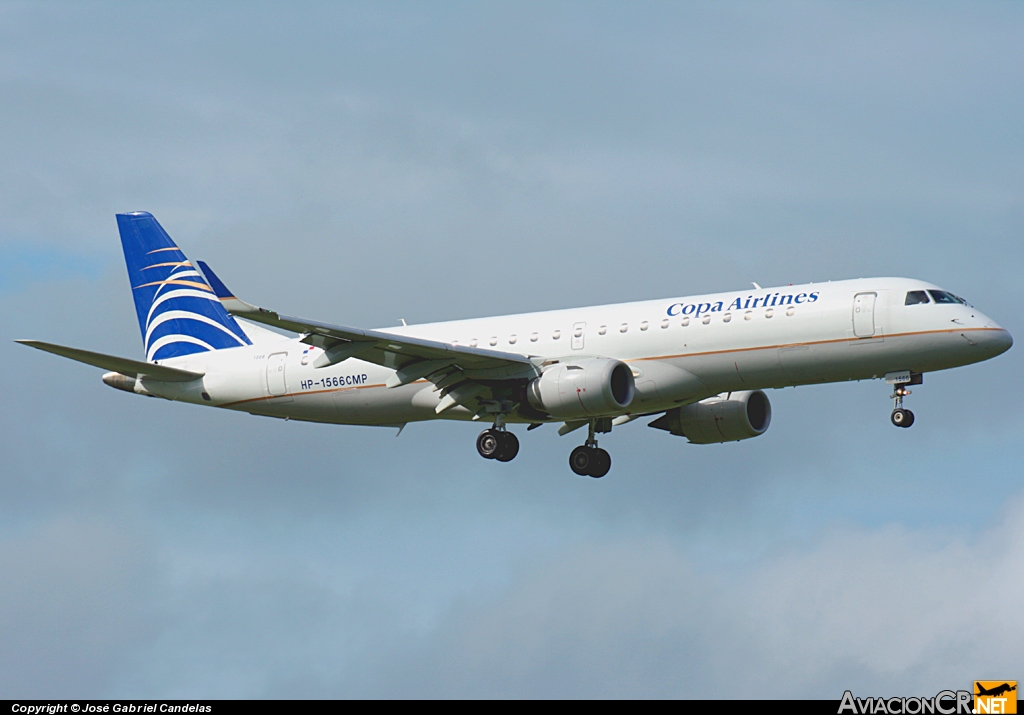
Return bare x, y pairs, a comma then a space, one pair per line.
890, 611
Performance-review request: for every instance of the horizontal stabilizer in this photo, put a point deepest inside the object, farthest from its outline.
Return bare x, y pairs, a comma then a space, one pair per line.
132, 368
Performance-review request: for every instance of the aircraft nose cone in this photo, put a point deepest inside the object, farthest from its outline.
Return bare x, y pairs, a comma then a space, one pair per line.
998, 340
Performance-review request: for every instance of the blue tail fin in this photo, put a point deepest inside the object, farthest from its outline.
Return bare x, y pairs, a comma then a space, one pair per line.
179, 312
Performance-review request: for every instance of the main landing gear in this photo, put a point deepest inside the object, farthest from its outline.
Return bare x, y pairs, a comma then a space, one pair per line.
589, 460
497, 443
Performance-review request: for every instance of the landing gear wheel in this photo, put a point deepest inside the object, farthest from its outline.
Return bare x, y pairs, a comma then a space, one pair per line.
590, 461
902, 417
600, 464
489, 443
581, 459
509, 447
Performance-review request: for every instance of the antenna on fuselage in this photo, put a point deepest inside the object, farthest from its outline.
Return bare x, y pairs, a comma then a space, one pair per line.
755, 285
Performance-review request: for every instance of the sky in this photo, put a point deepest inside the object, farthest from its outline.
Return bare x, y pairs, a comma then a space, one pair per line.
364, 163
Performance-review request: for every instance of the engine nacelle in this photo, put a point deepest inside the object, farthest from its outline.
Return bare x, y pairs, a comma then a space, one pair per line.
578, 389
728, 417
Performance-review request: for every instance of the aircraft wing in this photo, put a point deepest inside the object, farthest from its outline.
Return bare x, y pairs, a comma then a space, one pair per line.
125, 366
456, 369
383, 348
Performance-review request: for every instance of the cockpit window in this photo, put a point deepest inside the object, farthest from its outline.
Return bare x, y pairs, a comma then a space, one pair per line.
916, 296
941, 296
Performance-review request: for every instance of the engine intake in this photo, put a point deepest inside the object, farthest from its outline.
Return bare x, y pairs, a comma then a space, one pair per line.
589, 387
728, 417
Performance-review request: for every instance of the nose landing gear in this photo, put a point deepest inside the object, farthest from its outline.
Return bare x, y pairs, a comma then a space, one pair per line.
589, 460
902, 417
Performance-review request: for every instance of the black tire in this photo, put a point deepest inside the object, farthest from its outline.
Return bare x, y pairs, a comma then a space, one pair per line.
580, 460
509, 447
600, 464
902, 418
488, 444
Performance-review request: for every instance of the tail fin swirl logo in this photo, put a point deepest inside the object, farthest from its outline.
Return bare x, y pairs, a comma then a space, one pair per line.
178, 311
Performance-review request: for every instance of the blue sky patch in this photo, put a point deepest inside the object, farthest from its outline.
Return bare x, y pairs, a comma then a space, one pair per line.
21, 266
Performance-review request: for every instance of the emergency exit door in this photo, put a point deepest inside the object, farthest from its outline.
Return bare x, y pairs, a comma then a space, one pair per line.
578, 331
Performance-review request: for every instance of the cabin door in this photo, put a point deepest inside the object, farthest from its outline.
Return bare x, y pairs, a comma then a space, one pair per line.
276, 384
864, 315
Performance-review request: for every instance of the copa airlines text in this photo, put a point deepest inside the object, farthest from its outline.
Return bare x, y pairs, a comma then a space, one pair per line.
698, 365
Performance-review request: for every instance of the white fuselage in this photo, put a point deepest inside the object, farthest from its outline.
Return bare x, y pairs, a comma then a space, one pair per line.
681, 350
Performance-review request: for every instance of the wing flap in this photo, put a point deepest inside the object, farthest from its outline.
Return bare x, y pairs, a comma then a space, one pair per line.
125, 366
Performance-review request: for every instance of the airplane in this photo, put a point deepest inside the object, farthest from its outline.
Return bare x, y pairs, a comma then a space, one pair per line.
698, 365
996, 691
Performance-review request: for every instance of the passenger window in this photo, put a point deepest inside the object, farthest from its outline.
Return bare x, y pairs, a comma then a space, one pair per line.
916, 296
643, 325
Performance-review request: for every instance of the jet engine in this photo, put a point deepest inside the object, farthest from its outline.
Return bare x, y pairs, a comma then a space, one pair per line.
579, 389
728, 417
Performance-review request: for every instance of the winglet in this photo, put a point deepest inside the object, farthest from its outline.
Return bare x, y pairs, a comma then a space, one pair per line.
227, 298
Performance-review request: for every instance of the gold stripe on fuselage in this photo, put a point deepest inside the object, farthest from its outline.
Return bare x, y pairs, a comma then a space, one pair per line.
659, 357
